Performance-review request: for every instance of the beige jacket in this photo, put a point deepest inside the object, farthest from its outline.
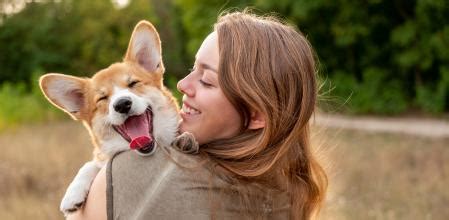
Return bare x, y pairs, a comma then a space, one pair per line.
157, 187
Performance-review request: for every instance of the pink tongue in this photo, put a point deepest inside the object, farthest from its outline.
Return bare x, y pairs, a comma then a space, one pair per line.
137, 128
140, 142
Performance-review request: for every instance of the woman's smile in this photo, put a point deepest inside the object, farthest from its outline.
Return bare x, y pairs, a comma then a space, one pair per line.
189, 110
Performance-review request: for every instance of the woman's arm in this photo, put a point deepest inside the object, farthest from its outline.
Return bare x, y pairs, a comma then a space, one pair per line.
95, 206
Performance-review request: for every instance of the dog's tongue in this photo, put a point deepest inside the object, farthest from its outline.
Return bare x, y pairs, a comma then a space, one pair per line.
138, 129
140, 142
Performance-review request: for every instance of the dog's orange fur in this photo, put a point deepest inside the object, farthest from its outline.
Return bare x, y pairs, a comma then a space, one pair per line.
91, 100
102, 83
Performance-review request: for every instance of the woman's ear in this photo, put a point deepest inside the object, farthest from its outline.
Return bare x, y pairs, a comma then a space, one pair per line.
257, 120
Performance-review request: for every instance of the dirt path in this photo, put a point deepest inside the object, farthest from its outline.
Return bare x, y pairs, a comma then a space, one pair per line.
413, 126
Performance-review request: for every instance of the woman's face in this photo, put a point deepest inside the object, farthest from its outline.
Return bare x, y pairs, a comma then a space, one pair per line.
206, 112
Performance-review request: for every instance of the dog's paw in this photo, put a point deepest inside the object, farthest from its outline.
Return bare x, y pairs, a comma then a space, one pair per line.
72, 200
186, 143
77, 191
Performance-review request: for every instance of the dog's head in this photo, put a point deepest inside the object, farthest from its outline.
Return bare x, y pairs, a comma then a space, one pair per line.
124, 104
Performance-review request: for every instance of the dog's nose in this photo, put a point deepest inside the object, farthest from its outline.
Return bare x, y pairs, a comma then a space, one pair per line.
123, 105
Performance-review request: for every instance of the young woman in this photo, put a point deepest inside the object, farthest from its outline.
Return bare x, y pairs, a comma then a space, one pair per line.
248, 101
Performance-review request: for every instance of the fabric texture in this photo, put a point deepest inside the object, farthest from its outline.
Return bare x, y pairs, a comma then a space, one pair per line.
173, 185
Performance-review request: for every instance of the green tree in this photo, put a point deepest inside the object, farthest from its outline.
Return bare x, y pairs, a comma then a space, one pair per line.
385, 56
394, 50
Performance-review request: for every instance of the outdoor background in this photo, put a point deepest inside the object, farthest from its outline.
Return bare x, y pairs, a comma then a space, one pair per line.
383, 63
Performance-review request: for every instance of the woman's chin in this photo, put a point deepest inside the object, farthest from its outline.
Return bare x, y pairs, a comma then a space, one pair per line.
186, 127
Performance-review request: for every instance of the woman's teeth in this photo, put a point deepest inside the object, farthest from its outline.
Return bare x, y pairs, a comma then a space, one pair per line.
190, 111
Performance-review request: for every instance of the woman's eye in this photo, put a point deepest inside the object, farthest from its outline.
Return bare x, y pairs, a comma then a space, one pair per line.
102, 98
132, 84
205, 83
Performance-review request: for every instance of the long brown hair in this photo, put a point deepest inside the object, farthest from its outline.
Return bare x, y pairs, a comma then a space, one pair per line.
268, 66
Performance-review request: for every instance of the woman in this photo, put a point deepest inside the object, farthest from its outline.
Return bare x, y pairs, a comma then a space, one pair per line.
247, 101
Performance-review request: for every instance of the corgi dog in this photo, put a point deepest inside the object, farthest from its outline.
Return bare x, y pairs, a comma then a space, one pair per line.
124, 106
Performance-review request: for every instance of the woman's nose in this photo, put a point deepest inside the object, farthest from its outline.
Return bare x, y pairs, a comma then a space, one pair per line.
185, 87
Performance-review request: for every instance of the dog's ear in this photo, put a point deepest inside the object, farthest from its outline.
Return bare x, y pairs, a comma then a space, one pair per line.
65, 92
144, 48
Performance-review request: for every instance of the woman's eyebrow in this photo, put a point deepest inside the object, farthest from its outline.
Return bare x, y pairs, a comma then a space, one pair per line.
204, 65
207, 67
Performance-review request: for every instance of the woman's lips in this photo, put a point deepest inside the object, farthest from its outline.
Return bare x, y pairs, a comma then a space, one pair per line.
189, 110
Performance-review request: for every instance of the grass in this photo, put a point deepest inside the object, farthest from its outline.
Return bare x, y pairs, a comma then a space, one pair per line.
372, 175
22, 104
36, 165
386, 176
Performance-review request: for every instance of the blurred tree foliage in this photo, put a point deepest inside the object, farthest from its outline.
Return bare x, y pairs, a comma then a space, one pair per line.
384, 56
77, 37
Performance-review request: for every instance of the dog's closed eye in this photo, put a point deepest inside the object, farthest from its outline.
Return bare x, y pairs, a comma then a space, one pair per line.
133, 83
102, 98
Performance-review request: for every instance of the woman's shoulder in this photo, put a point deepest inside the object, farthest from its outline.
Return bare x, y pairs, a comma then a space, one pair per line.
164, 184
164, 163
170, 183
